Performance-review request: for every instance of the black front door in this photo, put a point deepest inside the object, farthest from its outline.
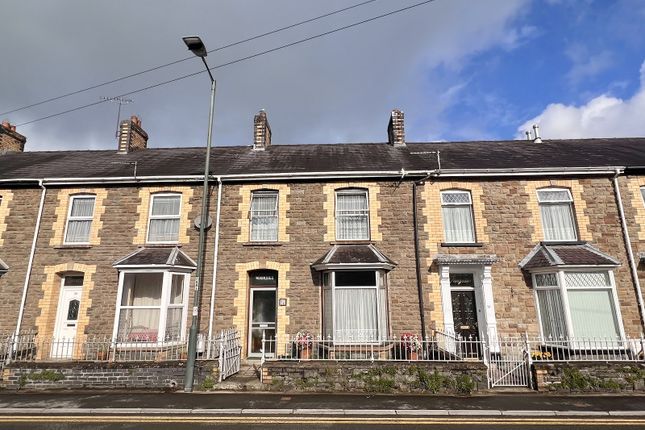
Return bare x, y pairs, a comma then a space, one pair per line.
464, 313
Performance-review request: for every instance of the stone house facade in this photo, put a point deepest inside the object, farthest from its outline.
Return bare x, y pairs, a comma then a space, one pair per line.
353, 242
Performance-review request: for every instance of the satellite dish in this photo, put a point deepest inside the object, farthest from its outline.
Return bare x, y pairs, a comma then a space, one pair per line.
198, 221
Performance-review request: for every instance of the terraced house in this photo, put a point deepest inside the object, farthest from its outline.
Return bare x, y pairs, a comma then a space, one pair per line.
339, 247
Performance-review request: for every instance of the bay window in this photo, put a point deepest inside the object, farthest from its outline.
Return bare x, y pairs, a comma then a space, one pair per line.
79, 219
354, 306
352, 215
264, 216
579, 305
152, 306
457, 214
556, 209
164, 217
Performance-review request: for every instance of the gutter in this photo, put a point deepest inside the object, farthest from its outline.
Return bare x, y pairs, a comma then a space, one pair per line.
215, 260
628, 245
32, 253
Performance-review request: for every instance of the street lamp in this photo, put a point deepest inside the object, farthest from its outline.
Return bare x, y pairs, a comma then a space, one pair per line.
196, 46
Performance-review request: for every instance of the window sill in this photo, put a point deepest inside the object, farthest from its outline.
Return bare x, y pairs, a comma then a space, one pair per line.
352, 242
73, 246
262, 244
162, 245
462, 245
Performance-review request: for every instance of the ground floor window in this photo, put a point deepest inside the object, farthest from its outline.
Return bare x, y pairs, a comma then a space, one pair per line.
152, 306
577, 304
355, 306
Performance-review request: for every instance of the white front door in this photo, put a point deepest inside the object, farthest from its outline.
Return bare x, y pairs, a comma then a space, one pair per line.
67, 317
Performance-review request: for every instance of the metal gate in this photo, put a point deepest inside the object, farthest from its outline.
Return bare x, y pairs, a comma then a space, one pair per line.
509, 363
229, 354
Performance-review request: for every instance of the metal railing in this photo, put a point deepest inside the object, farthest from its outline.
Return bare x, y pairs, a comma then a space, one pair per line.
33, 347
586, 349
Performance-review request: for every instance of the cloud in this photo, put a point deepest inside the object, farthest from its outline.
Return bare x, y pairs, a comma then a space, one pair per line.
602, 116
586, 65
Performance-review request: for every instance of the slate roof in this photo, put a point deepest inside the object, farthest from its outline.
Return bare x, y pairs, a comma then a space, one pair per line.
162, 256
243, 160
353, 255
567, 254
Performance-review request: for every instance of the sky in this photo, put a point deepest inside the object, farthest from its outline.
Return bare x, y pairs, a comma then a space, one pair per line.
459, 69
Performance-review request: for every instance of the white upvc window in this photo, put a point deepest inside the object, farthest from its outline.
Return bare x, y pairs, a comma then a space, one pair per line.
164, 218
79, 219
264, 216
642, 195
457, 213
578, 305
152, 306
556, 209
355, 306
352, 215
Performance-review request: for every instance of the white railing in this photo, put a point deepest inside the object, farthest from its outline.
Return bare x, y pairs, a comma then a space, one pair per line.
33, 347
442, 346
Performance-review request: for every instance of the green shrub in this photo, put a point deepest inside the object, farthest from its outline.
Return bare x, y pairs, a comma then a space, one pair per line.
208, 383
464, 384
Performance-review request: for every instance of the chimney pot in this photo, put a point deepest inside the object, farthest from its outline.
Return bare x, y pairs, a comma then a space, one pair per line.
396, 129
10, 139
131, 136
261, 131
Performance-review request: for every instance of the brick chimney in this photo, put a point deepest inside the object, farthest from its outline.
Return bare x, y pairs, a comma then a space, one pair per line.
261, 131
131, 136
395, 129
10, 139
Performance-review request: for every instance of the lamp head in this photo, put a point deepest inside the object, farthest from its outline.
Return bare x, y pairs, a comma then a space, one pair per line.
195, 45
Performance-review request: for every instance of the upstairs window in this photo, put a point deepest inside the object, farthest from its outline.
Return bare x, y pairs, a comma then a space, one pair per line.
163, 224
79, 219
264, 216
352, 215
457, 212
556, 208
642, 195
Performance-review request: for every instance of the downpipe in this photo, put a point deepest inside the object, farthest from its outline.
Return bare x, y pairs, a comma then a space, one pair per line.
215, 260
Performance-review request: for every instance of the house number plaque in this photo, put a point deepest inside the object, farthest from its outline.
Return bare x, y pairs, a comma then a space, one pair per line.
282, 302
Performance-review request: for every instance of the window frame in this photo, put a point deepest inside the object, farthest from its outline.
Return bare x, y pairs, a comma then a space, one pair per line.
352, 191
562, 288
151, 217
470, 204
382, 306
79, 218
572, 212
276, 210
164, 305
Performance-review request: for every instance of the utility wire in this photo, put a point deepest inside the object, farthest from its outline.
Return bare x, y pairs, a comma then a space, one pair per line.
248, 57
152, 69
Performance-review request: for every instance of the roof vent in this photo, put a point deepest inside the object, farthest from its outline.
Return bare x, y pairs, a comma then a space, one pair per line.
536, 133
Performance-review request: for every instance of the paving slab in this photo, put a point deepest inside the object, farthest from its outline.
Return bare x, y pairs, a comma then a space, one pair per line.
474, 412
531, 413
422, 412
267, 411
370, 412
581, 413
319, 411
231, 411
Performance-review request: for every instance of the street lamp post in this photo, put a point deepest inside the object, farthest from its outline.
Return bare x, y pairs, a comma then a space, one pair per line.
196, 46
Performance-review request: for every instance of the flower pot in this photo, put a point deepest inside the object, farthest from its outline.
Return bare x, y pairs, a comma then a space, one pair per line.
102, 355
305, 353
414, 355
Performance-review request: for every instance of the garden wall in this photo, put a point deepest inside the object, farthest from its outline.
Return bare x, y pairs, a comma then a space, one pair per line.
92, 375
589, 376
368, 377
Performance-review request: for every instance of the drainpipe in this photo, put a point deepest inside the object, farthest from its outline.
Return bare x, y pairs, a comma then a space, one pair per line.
417, 261
29, 266
215, 258
628, 245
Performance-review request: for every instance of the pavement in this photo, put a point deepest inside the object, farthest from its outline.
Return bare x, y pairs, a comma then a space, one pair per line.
524, 404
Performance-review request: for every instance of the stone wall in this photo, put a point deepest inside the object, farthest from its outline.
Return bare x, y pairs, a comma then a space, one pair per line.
367, 377
90, 375
589, 376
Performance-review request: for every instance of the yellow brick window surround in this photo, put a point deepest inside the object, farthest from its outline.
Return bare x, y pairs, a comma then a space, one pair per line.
579, 206
241, 301
143, 210
5, 197
634, 185
329, 206
244, 208
48, 304
62, 211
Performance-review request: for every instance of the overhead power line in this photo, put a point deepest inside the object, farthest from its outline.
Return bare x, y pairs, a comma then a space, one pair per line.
152, 69
239, 60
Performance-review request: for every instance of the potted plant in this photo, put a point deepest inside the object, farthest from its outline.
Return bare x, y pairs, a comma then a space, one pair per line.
304, 343
411, 343
103, 352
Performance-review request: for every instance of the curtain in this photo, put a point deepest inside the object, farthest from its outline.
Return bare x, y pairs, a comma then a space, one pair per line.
141, 324
165, 205
557, 221
78, 230
328, 313
458, 224
356, 315
264, 217
164, 222
552, 314
352, 217
592, 314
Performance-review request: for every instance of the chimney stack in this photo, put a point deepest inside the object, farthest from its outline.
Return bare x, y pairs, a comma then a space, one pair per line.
395, 129
10, 139
261, 131
131, 136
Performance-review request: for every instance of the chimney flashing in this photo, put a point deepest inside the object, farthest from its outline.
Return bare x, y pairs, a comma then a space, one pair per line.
396, 129
261, 131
